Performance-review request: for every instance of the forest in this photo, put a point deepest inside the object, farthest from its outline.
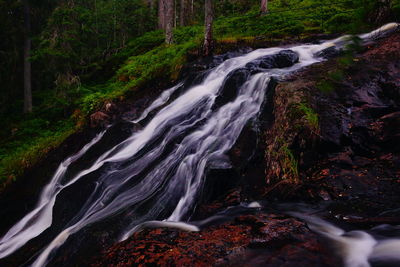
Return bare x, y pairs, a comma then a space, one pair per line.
89, 88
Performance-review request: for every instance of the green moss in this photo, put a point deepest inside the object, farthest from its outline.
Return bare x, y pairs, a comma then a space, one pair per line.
290, 164
345, 61
339, 23
161, 63
301, 113
23, 153
310, 115
325, 86
336, 75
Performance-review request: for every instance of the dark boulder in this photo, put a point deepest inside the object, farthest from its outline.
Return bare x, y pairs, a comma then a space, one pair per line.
232, 83
329, 52
99, 119
283, 59
237, 78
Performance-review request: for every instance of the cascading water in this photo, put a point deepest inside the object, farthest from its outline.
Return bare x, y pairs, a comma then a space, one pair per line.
157, 173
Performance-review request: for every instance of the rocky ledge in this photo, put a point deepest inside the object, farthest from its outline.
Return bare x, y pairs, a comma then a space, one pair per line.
333, 138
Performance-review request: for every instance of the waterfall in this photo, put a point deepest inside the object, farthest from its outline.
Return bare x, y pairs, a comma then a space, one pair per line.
157, 173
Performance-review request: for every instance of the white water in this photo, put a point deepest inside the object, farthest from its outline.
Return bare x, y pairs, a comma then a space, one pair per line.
177, 178
164, 97
355, 248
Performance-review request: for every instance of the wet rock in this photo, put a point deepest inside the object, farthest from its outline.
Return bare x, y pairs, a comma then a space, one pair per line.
342, 160
252, 240
207, 209
217, 183
352, 157
329, 52
283, 59
391, 131
110, 107
232, 84
99, 119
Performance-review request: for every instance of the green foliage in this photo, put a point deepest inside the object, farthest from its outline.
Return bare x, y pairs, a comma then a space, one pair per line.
339, 23
33, 138
325, 86
344, 62
294, 18
336, 75
229, 7
163, 62
81, 36
310, 115
290, 163
272, 25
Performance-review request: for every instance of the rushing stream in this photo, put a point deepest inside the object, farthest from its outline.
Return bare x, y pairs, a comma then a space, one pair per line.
154, 175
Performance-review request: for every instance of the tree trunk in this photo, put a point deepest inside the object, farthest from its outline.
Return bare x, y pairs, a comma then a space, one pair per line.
169, 21
208, 37
150, 4
27, 63
183, 13
115, 23
161, 14
264, 6
175, 16
381, 12
97, 24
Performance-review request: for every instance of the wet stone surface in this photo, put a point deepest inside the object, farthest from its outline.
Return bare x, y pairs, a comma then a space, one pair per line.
249, 240
349, 164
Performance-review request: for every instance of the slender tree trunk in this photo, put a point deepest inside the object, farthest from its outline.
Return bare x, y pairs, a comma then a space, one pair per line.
169, 21
115, 23
161, 14
183, 13
381, 13
27, 63
208, 36
264, 6
97, 24
150, 4
175, 14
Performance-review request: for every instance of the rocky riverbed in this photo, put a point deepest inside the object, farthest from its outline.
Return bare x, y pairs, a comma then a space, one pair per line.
332, 143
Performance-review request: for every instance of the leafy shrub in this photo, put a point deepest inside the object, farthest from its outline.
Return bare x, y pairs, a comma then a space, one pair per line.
340, 23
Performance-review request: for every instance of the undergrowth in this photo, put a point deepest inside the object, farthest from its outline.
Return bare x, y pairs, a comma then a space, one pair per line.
310, 115
290, 164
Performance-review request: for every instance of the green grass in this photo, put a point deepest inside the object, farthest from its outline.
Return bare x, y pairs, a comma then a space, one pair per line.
16, 156
325, 86
163, 62
25, 139
290, 164
310, 115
